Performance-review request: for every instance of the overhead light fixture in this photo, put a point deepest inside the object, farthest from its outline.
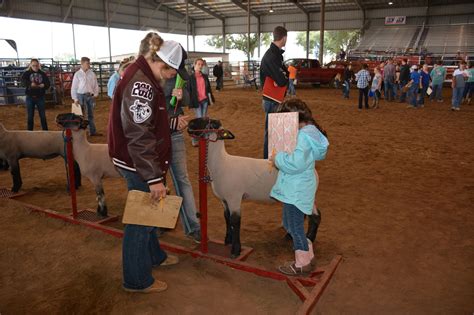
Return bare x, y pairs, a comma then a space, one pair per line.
390, 3
271, 9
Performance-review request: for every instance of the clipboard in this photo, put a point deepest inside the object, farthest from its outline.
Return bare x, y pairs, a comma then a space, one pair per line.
141, 211
282, 132
275, 93
76, 109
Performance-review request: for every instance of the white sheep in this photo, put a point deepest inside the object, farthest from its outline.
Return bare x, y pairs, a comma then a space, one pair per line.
235, 178
93, 159
19, 144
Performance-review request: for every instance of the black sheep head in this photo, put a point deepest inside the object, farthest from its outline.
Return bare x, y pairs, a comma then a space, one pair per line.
71, 121
204, 127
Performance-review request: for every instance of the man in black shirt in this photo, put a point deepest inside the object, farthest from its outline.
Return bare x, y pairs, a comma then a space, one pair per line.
36, 83
404, 78
218, 72
346, 79
272, 66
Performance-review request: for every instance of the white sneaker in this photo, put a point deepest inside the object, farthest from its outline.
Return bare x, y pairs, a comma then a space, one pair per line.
457, 109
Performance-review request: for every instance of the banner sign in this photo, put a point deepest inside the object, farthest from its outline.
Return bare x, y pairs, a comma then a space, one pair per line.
395, 20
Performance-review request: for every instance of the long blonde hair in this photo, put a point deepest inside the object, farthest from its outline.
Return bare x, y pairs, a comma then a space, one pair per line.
150, 45
34, 60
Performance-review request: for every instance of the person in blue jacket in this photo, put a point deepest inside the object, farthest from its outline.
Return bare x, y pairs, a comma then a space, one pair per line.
296, 184
414, 85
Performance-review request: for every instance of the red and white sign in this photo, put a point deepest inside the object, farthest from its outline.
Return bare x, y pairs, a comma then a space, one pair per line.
395, 20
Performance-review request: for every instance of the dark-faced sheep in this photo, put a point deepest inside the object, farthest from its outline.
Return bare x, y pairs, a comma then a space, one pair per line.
235, 178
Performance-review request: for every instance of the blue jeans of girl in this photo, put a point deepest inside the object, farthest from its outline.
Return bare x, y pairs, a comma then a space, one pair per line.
293, 222
140, 249
31, 103
179, 174
200, 111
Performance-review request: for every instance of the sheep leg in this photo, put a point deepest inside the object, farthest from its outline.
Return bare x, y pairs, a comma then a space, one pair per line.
16, 175
228, 233
77, 175
235, 228
102, 206
4, 165
313, 224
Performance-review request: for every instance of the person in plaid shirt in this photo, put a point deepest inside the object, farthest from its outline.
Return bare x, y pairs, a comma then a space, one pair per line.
363, 79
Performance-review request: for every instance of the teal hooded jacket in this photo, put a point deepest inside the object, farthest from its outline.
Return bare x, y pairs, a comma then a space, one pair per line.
296, 183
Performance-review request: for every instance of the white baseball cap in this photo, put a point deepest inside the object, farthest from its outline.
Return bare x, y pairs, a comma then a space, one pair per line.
414, 67
174, 55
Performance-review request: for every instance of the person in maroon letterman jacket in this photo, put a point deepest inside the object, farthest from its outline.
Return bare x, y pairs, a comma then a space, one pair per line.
140, 148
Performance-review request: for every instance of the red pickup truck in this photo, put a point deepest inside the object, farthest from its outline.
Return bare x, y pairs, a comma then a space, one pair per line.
310, 71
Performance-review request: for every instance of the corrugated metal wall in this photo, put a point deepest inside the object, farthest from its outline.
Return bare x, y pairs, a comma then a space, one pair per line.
129, 15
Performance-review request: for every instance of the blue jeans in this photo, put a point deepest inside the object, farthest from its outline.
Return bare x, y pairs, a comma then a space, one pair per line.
436, 93
421, 97
31, 102
140, 249
87, 105
291, 87
403, 95
346, 88
268, 107
457, 96
468, 90
293, 222
389, 90
413, 94
200, 111
179, 174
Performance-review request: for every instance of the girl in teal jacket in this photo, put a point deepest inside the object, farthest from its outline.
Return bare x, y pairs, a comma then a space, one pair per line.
296, 184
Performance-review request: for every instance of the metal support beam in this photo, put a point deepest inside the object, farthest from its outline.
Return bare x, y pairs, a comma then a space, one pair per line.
243, 7
107, 19
187, 25
321, 32
151, 15
194, 36
248, 30
258, 36
116, 8
204, 9
223, 36
68, 11
307, 35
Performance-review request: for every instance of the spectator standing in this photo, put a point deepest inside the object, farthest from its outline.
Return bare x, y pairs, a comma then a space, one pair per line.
460, 77
414, 86
218, 72
272, 66
115, 77
376, 86
292, 77
438, 75
200, 92
467, 94
389, 80
347, 77
396, 86
36, 83
363, 79
205, 68
404, 78
342, 54
84, 90
425, 83
178, 165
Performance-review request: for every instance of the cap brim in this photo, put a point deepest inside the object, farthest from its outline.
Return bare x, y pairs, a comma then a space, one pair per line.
183, 74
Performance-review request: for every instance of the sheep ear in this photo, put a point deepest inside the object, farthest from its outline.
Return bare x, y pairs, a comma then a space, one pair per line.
225, 134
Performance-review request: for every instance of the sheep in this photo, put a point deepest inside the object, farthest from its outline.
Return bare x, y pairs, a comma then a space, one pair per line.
235, 178
19, 144
93, 159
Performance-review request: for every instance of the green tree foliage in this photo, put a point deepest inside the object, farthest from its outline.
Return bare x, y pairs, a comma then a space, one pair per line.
239, 42
334, 41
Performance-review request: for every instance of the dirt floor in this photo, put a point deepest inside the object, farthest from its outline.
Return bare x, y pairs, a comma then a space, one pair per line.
396, 193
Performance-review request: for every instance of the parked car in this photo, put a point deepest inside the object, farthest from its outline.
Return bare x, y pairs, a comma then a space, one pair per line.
310, 71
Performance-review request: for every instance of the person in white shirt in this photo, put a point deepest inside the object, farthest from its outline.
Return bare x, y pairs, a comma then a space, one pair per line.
84, 90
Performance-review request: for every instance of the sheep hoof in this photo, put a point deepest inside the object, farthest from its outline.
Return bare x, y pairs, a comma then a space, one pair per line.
234, 256
102, 212
228, 240
15, 189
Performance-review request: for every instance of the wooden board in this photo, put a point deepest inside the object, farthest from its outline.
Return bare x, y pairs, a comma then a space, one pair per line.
141, 211
282, 132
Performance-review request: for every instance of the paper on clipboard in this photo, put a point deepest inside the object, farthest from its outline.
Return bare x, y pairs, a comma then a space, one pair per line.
140, 210
282, 132
76, 109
